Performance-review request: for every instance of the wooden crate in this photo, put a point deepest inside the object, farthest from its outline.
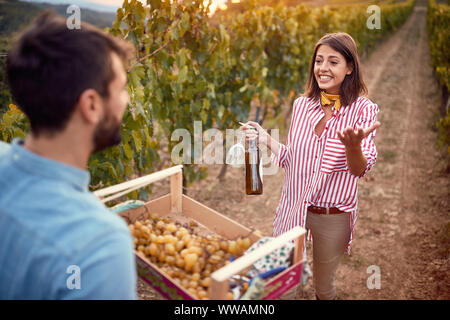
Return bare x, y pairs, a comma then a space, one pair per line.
177, 204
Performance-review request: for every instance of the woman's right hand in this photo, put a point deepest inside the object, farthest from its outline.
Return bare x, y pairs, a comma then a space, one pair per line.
254, 131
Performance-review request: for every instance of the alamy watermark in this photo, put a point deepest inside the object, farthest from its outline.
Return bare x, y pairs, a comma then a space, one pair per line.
374, 280
374, 20
74, 279
74, 20
191, 150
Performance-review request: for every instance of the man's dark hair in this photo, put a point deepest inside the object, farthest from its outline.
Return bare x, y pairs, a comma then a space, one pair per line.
50, 65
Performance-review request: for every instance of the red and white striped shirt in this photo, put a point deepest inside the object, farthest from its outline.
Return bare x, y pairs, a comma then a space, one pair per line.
316, 171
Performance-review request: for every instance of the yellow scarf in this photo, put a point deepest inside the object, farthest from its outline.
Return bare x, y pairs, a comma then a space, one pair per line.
329, 99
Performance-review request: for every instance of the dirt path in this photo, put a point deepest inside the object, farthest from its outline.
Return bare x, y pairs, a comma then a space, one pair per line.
404, 202
403, 225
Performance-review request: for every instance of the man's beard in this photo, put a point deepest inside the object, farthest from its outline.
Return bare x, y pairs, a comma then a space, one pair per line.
106, 134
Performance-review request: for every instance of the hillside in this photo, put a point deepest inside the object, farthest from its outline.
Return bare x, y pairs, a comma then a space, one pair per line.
14, 15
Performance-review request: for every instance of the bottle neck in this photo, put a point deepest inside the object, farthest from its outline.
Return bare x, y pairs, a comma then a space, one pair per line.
253, 144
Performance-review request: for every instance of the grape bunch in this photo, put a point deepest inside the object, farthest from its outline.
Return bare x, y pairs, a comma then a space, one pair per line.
181, 253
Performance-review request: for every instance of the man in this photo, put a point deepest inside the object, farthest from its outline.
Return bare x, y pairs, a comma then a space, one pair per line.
57, 240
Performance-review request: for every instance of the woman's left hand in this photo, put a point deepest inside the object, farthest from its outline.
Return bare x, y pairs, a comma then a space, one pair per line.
352, 138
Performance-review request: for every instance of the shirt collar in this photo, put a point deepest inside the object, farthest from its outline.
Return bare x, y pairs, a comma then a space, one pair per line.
315, 104
48, 168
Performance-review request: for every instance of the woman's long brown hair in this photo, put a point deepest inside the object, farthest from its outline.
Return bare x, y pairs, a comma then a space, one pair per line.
353, 85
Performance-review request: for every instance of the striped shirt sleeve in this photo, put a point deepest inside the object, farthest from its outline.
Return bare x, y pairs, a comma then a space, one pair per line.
367, 118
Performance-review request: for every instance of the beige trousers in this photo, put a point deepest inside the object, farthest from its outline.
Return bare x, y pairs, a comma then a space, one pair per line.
330, 235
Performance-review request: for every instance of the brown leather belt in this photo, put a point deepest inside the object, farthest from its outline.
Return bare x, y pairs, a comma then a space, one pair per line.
320, 210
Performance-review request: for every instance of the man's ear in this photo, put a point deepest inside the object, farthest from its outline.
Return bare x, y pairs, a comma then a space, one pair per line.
90, 106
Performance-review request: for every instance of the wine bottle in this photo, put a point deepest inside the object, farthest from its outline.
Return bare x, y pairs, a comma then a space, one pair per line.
253, 181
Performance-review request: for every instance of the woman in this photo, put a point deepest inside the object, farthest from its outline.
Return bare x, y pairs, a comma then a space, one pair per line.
330, 146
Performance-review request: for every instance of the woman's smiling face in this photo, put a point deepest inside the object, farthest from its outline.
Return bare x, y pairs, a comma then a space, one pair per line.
330, 69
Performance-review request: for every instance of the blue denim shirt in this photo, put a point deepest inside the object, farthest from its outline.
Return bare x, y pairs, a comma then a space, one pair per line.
57, 240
